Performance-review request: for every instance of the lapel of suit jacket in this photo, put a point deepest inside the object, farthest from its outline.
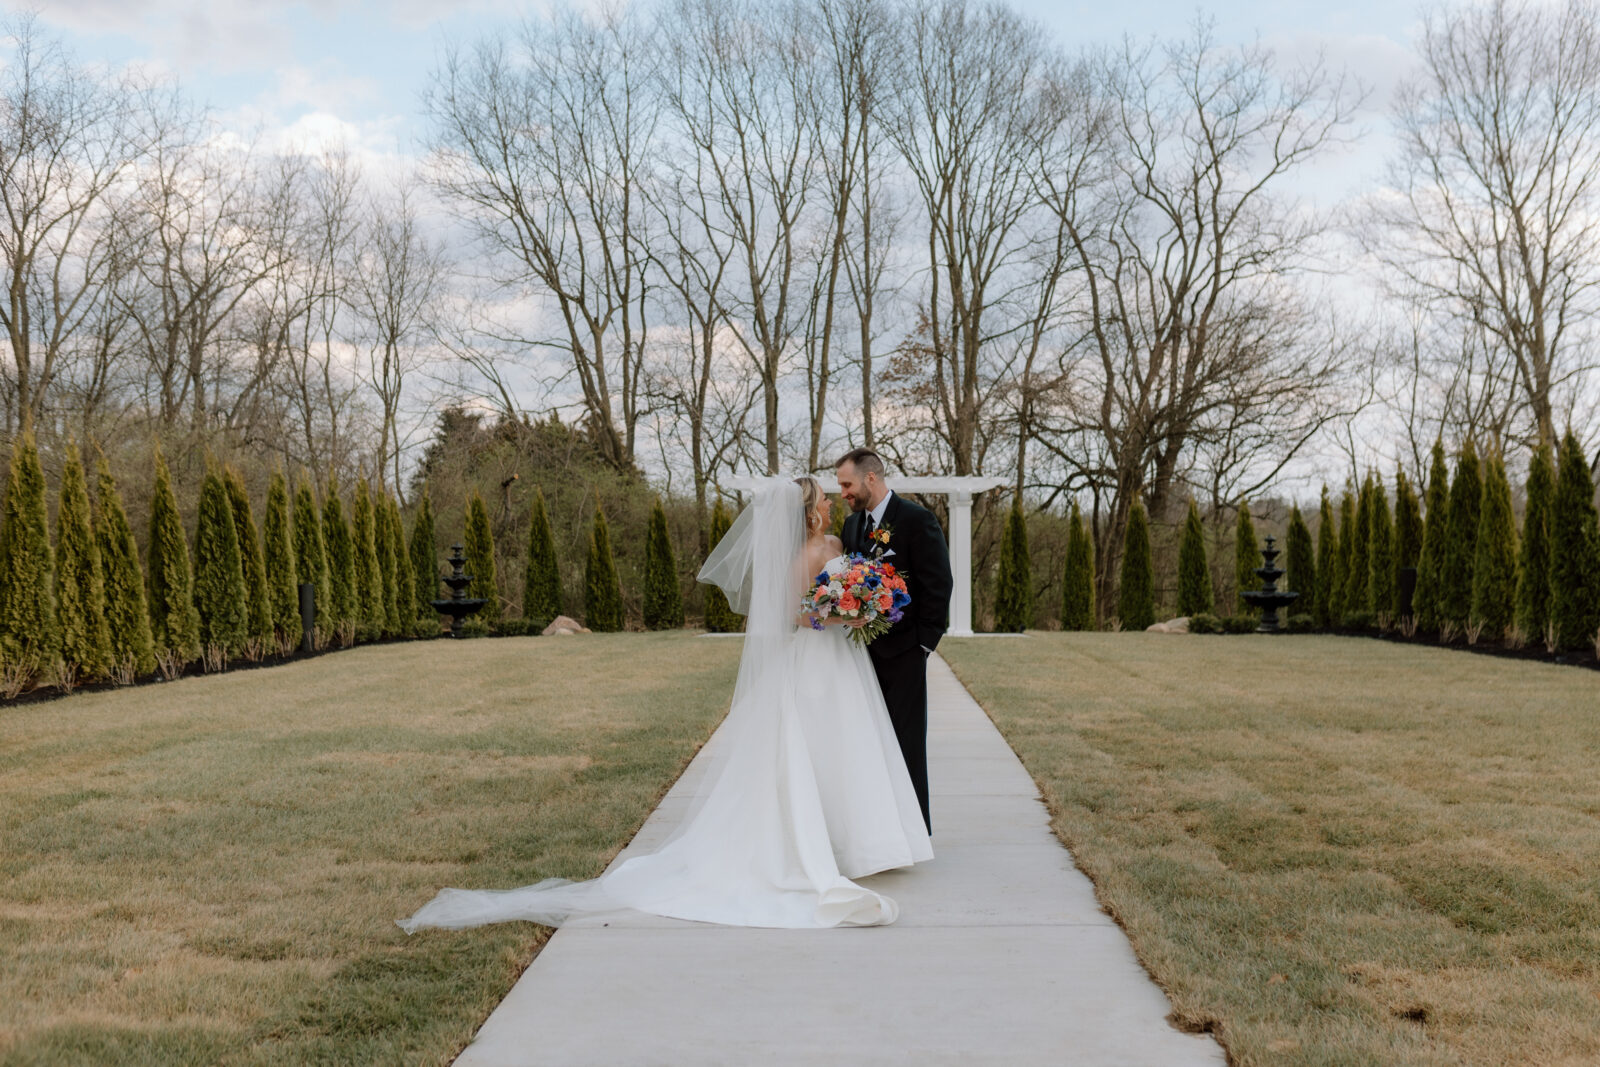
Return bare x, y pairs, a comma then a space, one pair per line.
891, 514
852, 532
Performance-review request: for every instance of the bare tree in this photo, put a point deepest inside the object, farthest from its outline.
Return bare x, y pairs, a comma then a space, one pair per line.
1187, 252
543, 143
398, 280
67, 137
1497, 177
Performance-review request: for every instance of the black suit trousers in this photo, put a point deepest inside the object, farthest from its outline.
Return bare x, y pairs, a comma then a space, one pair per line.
904, 681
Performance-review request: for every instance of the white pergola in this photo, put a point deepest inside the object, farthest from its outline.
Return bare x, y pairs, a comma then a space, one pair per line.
960, 491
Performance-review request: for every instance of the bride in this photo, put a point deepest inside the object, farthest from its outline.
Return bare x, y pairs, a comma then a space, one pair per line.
807, 788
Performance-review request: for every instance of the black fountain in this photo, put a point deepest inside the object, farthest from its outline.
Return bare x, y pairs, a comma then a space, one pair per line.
1269, 598
457, 605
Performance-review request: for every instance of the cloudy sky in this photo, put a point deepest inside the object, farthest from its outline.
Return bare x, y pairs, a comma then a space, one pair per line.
353, 70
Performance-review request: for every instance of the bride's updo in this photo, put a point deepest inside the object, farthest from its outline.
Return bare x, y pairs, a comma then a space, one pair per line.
810, 497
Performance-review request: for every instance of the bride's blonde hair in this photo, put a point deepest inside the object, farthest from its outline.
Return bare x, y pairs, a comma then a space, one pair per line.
810, 497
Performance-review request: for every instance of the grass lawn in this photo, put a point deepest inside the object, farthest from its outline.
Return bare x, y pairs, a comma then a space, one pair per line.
1328, 850
208, 871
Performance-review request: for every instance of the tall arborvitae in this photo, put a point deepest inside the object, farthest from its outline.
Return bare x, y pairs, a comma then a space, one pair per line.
1533, 572
1013, 595
1344, 565
663, 600
1077, 585
1461, 539
1574, 552
720, 618
425, 567
1302, 565
480, 558
169, 584
278, 561
1358, 579
602, 599
1407, 533
1494, 566
1327, 563
219, 590
127, 613
1246, 559
343, 605
311, 566
383, 542
258, 603
405, 583
1136, 592
1429, 601
80, 586
369, 572
1380, 549
1194, 572
541, 579
27, 596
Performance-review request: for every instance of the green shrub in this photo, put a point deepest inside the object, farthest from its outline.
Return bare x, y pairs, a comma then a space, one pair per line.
1240, 624
663, 600
1359, 621
1301, 623
1339, 588
1327, 563
80, 586
1407, 534
1381, 577
1301, 564
258, 604
311, 562
405, 584
514, 627
169, 584
1136, 592
1013, 601
1246, 559
278, 562
343, 605
1358, 579
602, 602
1533, 572
1429, 599
127, 613
1194, 573
368, 567
219, 591
388, 618
1077, 584
1494, 567
479, 544
1574, 552
541, 579
1461, 538
720, 618
425, 566
28, 631
1205, 623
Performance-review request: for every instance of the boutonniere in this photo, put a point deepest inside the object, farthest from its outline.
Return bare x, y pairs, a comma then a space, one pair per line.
880, 539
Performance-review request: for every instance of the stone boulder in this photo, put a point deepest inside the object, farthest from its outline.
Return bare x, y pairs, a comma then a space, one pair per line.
563, 626
1180, 625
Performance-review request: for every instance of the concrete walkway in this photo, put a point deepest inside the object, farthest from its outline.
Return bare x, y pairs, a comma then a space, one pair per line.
1000, 956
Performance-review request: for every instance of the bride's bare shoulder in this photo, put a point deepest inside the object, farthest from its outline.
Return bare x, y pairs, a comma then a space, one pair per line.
835, 545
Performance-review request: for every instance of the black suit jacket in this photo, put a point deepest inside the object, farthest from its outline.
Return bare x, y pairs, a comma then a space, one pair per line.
920, 555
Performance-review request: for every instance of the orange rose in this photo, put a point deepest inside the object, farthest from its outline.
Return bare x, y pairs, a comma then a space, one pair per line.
848, 602
885, 601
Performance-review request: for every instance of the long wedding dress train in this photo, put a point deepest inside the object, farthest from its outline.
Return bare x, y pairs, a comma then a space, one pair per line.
806, 790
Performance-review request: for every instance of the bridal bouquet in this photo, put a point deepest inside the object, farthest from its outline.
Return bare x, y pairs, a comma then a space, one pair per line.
863, 589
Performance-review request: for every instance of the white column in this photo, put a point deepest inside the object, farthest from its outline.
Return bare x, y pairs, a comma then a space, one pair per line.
961, 563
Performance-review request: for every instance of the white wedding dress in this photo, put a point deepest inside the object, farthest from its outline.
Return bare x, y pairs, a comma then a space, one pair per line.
807, 788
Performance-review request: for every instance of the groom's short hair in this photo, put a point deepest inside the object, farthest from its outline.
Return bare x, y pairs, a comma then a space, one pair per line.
864, 460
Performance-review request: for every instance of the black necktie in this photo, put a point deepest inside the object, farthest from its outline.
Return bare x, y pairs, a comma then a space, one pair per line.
872, 524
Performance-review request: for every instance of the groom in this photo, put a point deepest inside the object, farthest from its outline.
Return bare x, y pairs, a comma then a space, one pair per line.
908, 536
